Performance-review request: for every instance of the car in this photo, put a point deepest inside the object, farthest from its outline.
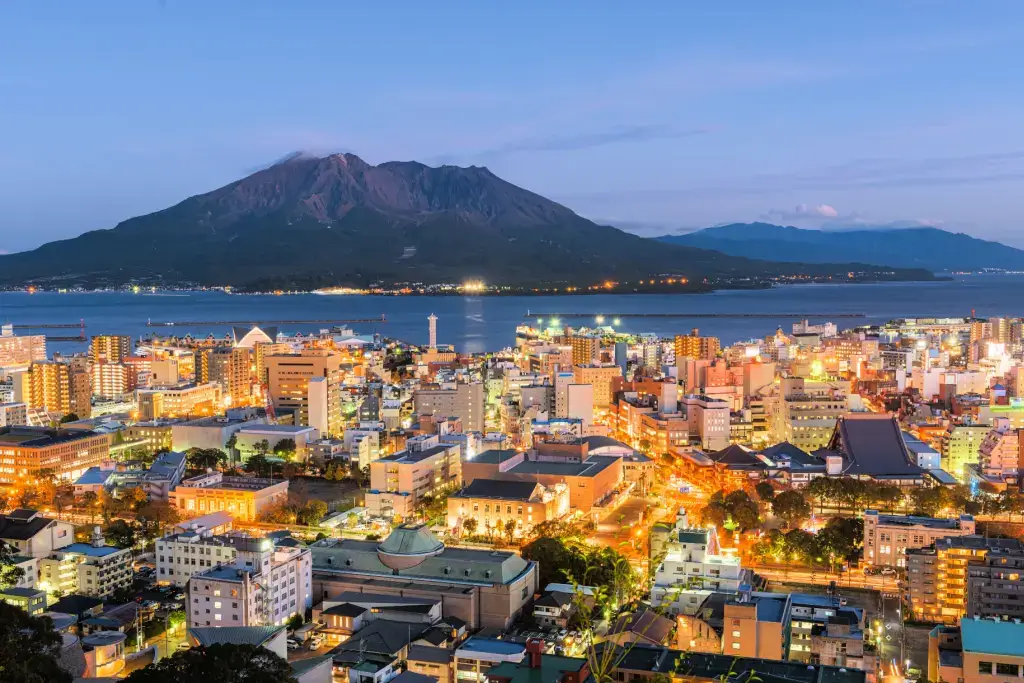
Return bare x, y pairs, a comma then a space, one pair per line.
184, 646
293, 644
888, 571
563, 633
179, 596
315, 642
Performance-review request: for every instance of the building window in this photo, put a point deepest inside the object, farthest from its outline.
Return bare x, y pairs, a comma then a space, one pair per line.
1003, 669
735, 646
984, 667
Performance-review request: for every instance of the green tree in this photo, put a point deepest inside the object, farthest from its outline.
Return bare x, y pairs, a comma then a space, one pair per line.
791, 507
121, 533
29, 648
70, 417
10, 573
510, 529
314, 511
294, 622
230, 444
220, 663
765, 492
822, 489
203, 459
90, 502
285, 448
469, 526
262, 446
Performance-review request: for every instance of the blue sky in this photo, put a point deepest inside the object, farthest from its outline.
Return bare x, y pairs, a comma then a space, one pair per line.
671, 115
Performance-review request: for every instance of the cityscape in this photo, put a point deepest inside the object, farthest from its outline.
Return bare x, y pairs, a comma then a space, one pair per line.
818, 500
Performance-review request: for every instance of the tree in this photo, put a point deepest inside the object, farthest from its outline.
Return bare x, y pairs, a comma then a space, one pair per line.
510, 529
645, 445
285, 448
205, 458
10, 573
822, 489
155, 516
262, 447
295, 622
90, 502
791, 508
469, 526
231, 443
29, 648
314, 511
765, 492
70, 417
135, 497
122, 533
176, 619
220, 663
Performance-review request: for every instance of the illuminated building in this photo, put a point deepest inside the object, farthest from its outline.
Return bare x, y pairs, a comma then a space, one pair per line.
601, 378
399, 481
94, 569
464, 400
308, 384
999, 452
110, 348
960, 446
585, 349
233, 368
60, 388
493, 503
887, 537
188, 400
707, 421
804, 412
68, 453
154, 434
20, 351
112, 380
245, 498
265, 585
32, 535
695, 346
13, 414
179, 556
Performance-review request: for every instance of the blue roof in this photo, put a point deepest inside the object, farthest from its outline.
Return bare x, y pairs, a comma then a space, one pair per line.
498, 647
94, 476
992, 637
86, 549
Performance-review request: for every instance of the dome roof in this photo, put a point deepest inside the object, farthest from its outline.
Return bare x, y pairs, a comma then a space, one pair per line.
407, 546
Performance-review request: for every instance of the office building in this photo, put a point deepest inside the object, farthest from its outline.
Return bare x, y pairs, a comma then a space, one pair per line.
960, 446
110, 348
265, 585
492, 504
464, 400
483, 588
399, 481
231, 367
183, 400
804, 413
94, 569
59, 388
601, 378
20, 351
309, 385
68, 453
695, 346
707, 421
887, 537
251, 438
245, 498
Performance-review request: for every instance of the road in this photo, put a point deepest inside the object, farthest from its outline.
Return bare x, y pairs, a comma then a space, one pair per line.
819, 577
617, 530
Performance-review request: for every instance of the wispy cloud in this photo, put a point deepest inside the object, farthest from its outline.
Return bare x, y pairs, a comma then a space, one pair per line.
801, 212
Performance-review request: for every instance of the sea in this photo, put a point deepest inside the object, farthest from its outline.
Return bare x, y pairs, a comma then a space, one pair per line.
487, 323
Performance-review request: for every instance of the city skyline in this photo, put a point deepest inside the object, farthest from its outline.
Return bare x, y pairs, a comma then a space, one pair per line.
674, 119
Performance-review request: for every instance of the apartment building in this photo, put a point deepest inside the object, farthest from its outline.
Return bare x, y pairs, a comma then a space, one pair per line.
154, 434
265, 586
233, 368
707, 421
601, 378
33, 535
804, 412
994, 584
309, 385
110, 348
959, 447
999, 452
183, 400
94, 569
112, 380
938, 575
245, 498
426, 467
464, 400
60, 388
20, 351
695, 346
12, 414
887, 537
492, 504
585, 349
181, 555
68, 453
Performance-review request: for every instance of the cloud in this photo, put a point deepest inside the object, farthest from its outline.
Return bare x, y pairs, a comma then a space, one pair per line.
802, 212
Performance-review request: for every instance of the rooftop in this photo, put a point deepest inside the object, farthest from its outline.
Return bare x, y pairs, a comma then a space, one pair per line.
490, 646
91, 551
233, 635
503, 490
988, 636
40, 437
406, 457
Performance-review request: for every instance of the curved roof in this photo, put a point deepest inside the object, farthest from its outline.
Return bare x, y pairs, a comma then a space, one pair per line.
410, 539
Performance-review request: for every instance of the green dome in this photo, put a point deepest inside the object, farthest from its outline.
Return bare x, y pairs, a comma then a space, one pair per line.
407, 546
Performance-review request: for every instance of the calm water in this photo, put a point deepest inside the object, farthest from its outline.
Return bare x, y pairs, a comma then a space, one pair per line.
488, 323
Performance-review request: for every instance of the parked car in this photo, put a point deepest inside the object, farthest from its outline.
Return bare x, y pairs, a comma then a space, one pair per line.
184, 646
315, 642
293, 645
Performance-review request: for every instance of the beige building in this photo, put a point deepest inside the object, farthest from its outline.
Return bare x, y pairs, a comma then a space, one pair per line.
601, 378
94, 569
32, 535
484, 588
887, 537
59, 388
427, 467
20, 351
233, 368
493, 503
453, 399
245, 498
155, 434
695, 346
188, 400
68, 453
110, 348
309, 384
112, 380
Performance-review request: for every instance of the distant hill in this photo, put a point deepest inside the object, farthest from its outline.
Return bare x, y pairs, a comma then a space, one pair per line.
308, 222
931, 248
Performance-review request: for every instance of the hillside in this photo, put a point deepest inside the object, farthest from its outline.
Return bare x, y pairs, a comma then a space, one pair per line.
930, 248
308, 222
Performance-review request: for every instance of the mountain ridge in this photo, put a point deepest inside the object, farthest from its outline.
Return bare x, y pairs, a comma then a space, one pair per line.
904, 247
308, 222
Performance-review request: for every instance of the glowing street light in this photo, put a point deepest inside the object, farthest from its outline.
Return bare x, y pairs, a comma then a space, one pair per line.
616, 322
600, 320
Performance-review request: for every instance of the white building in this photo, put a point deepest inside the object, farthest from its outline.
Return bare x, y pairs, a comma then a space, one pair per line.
32, 535
363, 443
708, 418
264, 586
693, 569
887, 537
247, 437
180, 556
95, 568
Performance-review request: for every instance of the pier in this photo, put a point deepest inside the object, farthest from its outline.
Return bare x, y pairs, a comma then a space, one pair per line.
800, 316
217, 323
53, 338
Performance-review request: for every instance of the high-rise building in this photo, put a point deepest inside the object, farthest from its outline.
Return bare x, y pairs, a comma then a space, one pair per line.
887, 537
60, 388
112, 380
464, 400
186, 400
601, 378
110, 348
399, 481
433, 330
695, 346
309, 384
585, 349
20, 351
233, 368
960, 446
